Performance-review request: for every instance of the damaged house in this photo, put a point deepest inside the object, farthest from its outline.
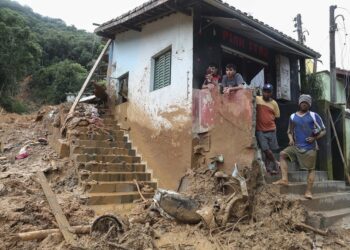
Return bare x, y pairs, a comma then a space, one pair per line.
157, 62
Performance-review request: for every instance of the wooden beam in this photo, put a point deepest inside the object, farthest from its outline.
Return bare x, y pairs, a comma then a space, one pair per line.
42, 234
131, 27
339, 146
56, 210
87, 80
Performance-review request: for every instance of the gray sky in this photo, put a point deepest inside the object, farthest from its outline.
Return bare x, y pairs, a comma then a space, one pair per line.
277, 13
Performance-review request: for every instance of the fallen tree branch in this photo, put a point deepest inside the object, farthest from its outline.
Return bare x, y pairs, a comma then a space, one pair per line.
138, 189
42, 234
303, 226
341, 243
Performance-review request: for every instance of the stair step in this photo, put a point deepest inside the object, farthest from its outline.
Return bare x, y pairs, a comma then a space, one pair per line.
107, 158
112, 167
326, 201
113, 131
120, 176
115, 198
101, 151
107, 115
103, 137
318, 187
109, 121
299, 176
110, 187
331, 217
102, 143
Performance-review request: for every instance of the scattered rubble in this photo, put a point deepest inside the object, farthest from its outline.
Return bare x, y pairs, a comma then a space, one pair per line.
211, 210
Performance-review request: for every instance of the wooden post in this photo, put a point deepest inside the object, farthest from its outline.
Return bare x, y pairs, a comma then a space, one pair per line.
61, 219
339, 147
89, 77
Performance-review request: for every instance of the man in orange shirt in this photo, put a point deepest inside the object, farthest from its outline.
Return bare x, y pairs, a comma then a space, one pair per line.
267, 111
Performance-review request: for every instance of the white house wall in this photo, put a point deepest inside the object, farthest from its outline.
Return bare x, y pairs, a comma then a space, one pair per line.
133, 52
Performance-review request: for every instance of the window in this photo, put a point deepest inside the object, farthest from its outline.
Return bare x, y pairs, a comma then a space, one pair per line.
162, 70
123, 88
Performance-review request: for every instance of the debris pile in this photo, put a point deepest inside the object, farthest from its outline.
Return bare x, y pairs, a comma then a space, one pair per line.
210, 210
214, 213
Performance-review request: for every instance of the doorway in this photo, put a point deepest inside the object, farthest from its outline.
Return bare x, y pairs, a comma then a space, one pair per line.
246, 67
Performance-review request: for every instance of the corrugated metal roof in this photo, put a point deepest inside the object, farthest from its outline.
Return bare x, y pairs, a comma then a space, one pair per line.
139, 14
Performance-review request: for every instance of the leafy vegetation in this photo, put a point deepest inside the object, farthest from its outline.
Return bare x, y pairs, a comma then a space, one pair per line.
57, 80
312, 85
56, 55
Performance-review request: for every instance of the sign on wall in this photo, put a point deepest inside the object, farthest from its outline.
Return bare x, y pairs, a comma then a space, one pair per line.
283, 78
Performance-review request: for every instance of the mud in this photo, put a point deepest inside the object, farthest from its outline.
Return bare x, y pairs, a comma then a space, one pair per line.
166, 151
24, 207
266, 220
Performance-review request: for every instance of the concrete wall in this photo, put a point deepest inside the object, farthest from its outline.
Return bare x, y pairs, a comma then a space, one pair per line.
160, 120
341, 99
325, 78
223, 125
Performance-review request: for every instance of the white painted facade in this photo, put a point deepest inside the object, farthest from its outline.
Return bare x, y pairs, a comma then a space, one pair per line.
132, 53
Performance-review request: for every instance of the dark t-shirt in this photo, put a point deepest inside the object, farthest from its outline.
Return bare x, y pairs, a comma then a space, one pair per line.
234, 82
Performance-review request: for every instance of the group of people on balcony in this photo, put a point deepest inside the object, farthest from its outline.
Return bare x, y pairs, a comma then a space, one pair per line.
305, 127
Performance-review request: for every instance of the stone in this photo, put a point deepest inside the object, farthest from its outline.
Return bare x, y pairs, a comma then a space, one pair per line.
63, 148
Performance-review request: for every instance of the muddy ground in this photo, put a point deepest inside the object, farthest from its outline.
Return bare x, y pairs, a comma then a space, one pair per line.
269, 221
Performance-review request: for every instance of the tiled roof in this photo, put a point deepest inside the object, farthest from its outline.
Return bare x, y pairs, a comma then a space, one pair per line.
243, 16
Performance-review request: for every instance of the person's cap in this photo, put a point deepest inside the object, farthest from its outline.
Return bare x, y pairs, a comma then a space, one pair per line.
268, 87
305, 98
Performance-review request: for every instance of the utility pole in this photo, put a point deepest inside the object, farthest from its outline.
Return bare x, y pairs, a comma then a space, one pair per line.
299, 30
298, 25
332, 29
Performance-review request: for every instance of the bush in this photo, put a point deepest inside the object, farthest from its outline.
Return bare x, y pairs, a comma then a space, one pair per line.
13, 105
312, 84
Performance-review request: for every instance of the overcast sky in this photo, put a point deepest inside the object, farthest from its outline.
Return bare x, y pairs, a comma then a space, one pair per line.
277, 13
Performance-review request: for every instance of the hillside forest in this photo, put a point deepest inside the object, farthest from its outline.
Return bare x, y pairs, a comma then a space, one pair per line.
41, 58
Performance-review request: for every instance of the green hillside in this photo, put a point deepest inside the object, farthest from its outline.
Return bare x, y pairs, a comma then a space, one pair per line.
56, 56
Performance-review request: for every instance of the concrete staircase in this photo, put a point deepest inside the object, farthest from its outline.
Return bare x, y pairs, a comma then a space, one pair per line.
331, 199
107, 165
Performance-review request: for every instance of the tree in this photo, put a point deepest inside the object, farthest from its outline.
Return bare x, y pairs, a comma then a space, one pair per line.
31, 44
50, 84
19, 51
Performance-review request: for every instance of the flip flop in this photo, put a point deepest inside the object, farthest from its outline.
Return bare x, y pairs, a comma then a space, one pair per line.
308, 196
280, 182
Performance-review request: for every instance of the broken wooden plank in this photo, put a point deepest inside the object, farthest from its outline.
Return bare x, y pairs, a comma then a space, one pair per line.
89, 77
42, 234
61, 219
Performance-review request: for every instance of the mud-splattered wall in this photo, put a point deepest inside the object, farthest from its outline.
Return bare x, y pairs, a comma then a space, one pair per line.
223, 124
160, 120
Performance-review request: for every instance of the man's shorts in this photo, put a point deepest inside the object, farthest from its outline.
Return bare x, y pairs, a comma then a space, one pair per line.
267, 140
305, 158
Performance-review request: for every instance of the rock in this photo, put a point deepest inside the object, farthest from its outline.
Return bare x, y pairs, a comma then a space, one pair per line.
220, 174
178, 206
63, 148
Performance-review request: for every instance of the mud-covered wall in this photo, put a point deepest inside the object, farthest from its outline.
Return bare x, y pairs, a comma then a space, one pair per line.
223, 124
167, 151
160, 120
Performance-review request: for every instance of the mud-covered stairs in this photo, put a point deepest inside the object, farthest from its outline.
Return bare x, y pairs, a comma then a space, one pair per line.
331, 198
108, 166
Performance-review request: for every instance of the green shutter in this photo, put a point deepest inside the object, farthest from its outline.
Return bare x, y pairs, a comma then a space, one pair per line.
162, 70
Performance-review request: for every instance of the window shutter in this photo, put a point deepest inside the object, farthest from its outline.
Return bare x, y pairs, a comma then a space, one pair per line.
162, 70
